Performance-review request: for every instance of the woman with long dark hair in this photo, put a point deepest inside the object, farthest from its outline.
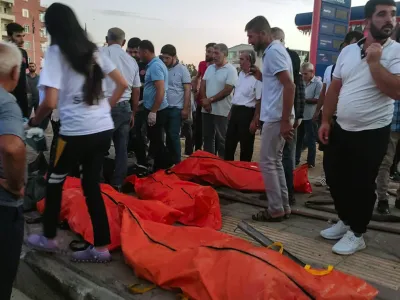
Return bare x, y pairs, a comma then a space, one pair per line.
72, 79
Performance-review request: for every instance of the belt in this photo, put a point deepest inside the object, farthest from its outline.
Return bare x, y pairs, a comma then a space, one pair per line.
244, 106
123, 103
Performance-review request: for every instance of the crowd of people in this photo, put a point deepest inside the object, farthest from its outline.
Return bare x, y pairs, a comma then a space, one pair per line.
143, 102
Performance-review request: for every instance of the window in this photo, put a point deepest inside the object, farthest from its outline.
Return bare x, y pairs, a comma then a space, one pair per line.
26, 28
43, 32
43, 47
41, 17
27, 45
25, 13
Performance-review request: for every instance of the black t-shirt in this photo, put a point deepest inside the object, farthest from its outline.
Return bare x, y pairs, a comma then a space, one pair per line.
20, 92
142, 74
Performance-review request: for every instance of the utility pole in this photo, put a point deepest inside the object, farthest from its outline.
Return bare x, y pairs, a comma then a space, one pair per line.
33, 39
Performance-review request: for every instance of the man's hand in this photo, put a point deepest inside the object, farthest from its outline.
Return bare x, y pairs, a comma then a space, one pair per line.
255, 71
205, 102
254, 125
316, 116
152, 119
287, 130
17, 193
297, 123
323, 133
374, 53
185, 114
132, 122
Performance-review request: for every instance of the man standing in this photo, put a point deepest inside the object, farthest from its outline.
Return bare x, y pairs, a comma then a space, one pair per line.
16, 36
382, 181
244, 116
365, 80
12, 169
277, 113
138, 134
123, 113
351, 38
33, 81
179, 90
155, 103
203, 65
289, 151
216, 99
308, 127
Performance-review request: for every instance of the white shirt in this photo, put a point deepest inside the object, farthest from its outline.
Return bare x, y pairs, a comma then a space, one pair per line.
327, 77
76, 117
247, 90
127, 66
276, 59
361, 105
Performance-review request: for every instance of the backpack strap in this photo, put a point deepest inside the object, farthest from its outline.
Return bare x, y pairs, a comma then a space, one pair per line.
333, 69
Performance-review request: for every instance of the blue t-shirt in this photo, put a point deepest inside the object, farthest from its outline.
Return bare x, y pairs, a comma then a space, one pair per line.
11, 123
156, 70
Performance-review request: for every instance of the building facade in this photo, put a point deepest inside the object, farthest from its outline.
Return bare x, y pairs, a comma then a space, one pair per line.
30, 14
6, 16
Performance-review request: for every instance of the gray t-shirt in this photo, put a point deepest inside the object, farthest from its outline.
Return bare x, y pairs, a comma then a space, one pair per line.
216, 79
178, 76
11, 123
313, 90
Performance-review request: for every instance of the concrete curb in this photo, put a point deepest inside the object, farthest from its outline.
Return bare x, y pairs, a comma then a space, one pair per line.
43, 277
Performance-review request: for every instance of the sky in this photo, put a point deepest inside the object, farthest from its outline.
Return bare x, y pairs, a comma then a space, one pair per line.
189, 24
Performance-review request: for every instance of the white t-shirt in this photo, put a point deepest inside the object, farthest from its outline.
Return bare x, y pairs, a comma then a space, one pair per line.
127, 66
327, 77
361, 105
276, 59
247, 90
76, 117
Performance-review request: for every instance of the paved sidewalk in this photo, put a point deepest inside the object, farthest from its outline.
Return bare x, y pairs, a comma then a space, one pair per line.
17, 295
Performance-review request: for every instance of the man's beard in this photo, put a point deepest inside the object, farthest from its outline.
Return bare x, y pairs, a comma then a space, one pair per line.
209, 59
259, 48
379, 35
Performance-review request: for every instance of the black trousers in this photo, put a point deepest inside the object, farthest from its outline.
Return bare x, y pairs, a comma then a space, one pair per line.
162, 159
11, 237
239, 131
88, 151
138, 137
187, 133
198, 129
352, 162
56, 130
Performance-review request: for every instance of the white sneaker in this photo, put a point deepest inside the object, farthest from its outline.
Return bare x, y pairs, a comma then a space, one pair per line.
349, 244
335, 232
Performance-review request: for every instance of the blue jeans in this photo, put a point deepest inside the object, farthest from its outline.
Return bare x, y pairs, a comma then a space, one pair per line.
173, 130
307, 128
121, 115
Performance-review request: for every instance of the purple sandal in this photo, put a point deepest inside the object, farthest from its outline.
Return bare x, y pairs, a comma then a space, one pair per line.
41, 243
91, 255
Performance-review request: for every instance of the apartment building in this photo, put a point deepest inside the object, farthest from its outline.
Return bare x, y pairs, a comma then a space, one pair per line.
30, 14
6, 16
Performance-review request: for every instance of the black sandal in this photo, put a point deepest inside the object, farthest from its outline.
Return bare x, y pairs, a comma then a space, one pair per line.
264, 216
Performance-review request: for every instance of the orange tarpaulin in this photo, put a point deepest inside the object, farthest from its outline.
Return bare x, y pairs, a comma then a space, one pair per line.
74, 210
207, 264
237, 175
199, 204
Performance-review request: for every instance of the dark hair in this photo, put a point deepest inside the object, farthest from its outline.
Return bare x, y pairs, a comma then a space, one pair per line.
14, 28
32, 63
258, 24
134, 42
210, 45
371, 5
169, 50
69, 36
147, 45
353, 35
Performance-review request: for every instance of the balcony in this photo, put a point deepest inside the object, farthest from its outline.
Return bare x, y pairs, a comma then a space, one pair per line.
7, 17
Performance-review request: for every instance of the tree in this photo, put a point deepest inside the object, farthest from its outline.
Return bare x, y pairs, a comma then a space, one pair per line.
192, 69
